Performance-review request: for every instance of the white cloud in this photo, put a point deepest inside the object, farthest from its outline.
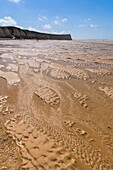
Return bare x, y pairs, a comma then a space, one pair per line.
15, 1
87, 20
56, 22
87, 23
47, 27
42, 18
93, 26
32, 29
7, 21
64, 20
55, 25
59, 21
58, 32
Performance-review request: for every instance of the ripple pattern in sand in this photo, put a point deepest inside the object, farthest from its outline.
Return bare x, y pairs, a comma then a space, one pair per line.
48, 95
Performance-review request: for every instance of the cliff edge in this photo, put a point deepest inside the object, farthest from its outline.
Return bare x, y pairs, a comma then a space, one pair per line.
10, 32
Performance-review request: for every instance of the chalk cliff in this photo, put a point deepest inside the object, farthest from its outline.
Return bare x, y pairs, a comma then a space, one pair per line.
10, 32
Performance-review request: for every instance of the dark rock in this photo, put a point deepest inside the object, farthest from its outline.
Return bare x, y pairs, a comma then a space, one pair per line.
2, 35
6, 32
11, 32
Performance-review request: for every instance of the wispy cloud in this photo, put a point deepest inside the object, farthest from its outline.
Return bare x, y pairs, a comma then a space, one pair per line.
30, 28
59, 21
54, 25
47, 27
87, 23
7, 21
42, 18
58, 32
15, 1
56, 22
93, 25
64, 20
87, 19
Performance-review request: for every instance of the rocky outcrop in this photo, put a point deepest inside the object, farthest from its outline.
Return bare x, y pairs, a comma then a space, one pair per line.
17, 33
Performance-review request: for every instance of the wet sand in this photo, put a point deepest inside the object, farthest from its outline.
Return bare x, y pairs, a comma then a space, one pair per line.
56, 105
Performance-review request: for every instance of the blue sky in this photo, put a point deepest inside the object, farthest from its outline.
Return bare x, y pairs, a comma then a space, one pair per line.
84, 19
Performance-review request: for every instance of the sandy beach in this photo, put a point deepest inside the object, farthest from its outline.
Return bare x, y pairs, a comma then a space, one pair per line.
56, 105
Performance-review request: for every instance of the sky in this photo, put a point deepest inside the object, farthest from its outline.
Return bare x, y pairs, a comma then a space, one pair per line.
83, 19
